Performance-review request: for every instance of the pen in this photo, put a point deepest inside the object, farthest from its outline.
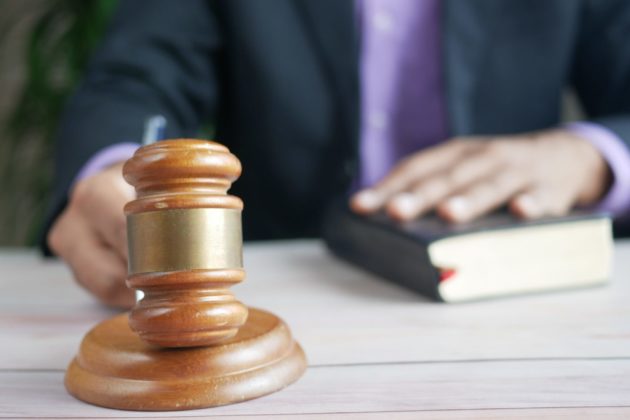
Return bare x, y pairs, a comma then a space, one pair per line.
154, 129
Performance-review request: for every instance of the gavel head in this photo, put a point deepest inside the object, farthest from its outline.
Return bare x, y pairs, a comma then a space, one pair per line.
185, 243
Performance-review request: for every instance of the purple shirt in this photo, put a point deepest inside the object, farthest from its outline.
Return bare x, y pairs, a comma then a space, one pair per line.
402, 98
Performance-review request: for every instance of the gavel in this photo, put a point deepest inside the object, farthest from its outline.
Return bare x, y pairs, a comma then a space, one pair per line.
185, 243
188, 343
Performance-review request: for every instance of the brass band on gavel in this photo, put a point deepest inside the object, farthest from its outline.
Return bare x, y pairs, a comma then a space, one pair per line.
184, 239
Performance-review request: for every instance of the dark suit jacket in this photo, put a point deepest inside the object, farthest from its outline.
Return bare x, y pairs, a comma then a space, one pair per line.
279, 81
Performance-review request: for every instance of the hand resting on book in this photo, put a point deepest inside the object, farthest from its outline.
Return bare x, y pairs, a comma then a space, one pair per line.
535, 174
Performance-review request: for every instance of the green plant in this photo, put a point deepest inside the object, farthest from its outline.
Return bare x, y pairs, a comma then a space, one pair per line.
58, 47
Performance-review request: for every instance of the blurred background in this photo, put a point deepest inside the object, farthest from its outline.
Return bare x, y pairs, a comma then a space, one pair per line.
44, 47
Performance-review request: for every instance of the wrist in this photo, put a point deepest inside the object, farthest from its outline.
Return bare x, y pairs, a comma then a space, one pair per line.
597, 173
107, 157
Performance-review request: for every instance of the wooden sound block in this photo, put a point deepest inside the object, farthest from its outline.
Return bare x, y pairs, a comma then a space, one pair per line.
115, 368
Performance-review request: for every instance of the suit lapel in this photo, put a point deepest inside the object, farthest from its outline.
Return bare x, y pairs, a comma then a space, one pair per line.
331, 24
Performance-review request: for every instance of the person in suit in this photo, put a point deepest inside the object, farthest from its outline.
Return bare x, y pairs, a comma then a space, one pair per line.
452, 106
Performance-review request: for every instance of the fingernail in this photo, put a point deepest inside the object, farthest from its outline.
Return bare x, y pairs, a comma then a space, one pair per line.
528, 206
405, 205
458, 207
367, 199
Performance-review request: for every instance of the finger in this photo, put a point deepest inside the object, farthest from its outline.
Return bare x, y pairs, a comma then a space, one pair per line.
541, 201
426, 195
114, 235
409, 205
96, 267
111, 223
483, 197
525, 206
101, 272
407, 172
101, 201
60, 232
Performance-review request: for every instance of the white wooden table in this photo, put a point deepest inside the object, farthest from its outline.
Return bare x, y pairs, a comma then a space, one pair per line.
374, 350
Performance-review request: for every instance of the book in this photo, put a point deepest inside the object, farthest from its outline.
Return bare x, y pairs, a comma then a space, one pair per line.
495, 256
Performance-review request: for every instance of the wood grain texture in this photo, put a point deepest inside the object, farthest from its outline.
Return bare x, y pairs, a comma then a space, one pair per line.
388, 353
376, 388
326, 301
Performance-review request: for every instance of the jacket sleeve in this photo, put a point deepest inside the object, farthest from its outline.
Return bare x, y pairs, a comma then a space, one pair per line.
157, 57
601, 72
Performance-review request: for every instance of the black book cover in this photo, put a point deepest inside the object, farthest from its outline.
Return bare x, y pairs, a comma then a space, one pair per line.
398, 252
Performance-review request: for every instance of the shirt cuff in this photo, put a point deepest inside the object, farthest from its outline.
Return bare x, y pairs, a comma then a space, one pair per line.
108, 156
617, 155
